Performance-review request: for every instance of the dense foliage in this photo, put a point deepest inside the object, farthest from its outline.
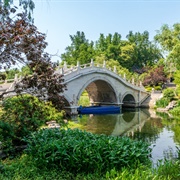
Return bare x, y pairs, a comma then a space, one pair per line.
176, 110
80, 50
133, 54
23, 115
155, 77
25, 168
168, 96
73, 154
78, 151
168, 38
177, 81
21, 42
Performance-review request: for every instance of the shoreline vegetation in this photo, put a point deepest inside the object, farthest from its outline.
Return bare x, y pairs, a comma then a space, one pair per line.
66, 154
76, 154
80, 155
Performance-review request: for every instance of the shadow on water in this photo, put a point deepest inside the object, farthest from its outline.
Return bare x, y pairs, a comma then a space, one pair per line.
159, 130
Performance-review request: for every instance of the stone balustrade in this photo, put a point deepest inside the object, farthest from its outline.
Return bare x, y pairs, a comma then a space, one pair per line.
67, 69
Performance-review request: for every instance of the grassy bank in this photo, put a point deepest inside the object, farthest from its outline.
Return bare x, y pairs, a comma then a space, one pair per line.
24, 168
75, 155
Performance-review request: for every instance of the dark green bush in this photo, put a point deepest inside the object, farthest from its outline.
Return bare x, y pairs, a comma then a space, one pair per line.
22, 115
78, 151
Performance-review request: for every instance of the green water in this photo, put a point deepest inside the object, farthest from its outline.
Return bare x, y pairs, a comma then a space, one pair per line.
159, 129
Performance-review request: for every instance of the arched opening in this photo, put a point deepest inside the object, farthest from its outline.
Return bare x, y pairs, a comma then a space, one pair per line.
128, 101
100, 92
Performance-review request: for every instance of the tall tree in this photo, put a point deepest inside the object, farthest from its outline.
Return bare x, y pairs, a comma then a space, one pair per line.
126, 56
146, 53
20, 41
109, 46
169, 39
80, 50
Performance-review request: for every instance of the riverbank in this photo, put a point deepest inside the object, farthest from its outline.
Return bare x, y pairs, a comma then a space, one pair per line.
155, 95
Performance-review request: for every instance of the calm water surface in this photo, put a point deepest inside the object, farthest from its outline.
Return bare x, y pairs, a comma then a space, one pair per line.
159, 129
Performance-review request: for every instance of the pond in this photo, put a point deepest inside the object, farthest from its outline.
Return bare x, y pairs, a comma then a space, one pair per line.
160, 130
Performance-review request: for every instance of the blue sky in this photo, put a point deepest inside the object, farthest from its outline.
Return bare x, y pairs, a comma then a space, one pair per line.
61, 18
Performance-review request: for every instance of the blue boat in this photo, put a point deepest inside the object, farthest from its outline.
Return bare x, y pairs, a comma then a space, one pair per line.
99, 110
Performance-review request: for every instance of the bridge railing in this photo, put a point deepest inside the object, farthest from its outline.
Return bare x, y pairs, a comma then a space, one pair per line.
67, 69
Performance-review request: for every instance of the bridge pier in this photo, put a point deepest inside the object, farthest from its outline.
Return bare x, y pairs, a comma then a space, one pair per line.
71, 110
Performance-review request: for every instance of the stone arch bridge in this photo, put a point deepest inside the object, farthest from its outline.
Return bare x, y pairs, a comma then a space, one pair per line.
103, 86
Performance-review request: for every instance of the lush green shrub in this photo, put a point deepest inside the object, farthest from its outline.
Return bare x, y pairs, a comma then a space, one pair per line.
158, 88
163, 102
78, 151
22, 115
175, 111
152, 88
148, 88
178, 103
168, 93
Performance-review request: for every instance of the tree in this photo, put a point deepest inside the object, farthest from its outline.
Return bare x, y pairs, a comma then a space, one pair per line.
155, 77
79, 50
21, 42
109, 46
177, 80
169, 39
145, 52
126, 56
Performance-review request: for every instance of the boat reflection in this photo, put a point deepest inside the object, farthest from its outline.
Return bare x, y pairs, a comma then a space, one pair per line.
115, 124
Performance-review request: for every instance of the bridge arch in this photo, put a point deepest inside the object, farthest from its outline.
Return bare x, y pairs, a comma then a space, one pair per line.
100, 90
102, 85
128, 98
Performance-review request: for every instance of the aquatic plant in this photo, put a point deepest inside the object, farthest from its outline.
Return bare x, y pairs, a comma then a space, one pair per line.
80, 151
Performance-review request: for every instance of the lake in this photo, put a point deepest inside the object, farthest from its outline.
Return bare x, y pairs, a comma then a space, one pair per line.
160, 130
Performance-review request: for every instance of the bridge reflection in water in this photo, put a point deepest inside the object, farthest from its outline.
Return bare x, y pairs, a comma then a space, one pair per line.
141, 124
125, 123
